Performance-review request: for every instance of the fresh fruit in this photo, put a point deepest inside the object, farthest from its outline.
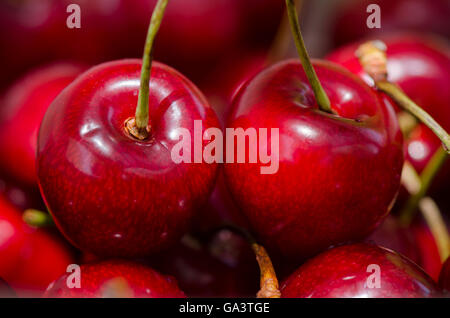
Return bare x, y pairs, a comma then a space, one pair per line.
30, 258
21, 114
444, 278
222, 265
36, 32
419, 64
416, 242
321, 194
109, 193
116, 278
333, 134
350, 20
359, 270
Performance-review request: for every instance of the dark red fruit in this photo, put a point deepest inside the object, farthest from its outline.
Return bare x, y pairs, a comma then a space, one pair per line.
350, 21
21, 114
338, 174
30, 258
223, 265
116, 278
110, 194
346, 272
419, 64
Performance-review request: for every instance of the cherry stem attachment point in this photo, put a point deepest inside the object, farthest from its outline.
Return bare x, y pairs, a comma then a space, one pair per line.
372, 56
142, 110
321, 97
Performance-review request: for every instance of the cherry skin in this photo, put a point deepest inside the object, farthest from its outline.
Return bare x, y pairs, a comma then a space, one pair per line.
342, 272
23, 108
338, 174
221, 265
418, 64
25, 251
350, 21
415, 242
116, 278
35, 32
109, 193
444, 278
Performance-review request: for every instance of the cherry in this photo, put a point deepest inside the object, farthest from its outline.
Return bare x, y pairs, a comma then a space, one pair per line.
444, 278
338, 173
22, 197
25, 251
346, 272
417, 63
415, 242
109, 179
23, 108
35, 32
116, 278
350, 20
221, 265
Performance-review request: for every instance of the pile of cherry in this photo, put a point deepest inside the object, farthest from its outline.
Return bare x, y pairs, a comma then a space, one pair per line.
141, 225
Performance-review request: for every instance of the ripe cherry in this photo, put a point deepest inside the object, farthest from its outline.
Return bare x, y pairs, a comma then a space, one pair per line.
116, 278
359, 270
23, 108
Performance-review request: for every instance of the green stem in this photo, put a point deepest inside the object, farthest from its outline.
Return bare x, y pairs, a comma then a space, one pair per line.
426, 178
142, 110
404, 101
319, 93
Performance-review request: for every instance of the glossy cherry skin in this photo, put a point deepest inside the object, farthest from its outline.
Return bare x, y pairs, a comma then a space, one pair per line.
116, 278
444, 277
419, 64
221, 265
25, 251
350, 21
342, 272
338, 174
21, 114
110, 194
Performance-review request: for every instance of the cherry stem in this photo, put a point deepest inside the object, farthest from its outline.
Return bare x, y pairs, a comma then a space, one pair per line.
269, 287
426, 178
142, 109
280, 45
372, 56
37, 218
321, 97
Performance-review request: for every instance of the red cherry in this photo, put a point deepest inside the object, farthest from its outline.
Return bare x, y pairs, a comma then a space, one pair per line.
418, 64
116, 278
23, 108
415, 242
346, 271
338, 174
444, 278
109, 193
223, 265
35, 32
350, 21
25, 251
